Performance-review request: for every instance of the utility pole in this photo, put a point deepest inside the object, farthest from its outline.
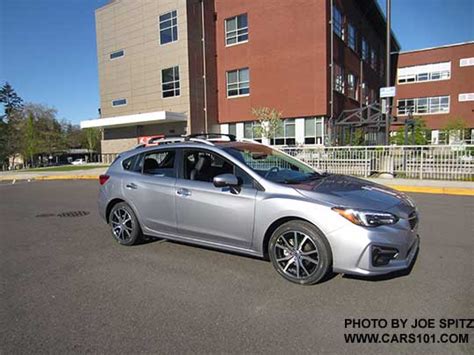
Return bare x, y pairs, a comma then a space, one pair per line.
387, 73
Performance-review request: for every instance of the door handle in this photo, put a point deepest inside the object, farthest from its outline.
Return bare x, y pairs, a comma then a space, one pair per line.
131, 186
183, 192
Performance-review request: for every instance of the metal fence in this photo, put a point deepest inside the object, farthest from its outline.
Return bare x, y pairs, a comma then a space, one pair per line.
441, 162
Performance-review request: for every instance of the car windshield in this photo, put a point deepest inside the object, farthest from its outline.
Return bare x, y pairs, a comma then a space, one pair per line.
273, 164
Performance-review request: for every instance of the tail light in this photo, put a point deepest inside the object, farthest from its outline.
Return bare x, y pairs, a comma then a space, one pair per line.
103, 179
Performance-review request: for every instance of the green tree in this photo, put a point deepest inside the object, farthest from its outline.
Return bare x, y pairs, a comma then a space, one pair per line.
48, 138
9, 121
92, 139
455, 128
416, 136
30, 139
10, 100
269, 122
73, 137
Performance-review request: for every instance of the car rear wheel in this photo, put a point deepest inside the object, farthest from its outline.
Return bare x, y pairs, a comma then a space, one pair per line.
124, 224
300, 253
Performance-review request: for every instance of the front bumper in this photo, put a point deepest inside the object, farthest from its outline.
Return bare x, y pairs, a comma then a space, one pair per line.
352, 248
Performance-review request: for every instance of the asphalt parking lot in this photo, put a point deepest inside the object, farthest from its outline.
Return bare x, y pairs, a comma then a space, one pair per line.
66, 286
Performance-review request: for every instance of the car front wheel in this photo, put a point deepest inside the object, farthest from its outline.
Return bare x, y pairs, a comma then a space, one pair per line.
300, 252
124, 224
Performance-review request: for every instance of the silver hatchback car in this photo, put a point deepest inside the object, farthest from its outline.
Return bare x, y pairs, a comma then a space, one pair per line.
250, 198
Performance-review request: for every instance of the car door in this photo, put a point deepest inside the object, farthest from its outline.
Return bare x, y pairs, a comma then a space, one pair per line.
205, 212
150, 188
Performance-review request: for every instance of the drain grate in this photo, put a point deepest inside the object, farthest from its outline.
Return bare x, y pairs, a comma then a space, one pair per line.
46, 215
73, 214
65, 214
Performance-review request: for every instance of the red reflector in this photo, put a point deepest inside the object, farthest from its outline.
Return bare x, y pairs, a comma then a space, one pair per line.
103, 179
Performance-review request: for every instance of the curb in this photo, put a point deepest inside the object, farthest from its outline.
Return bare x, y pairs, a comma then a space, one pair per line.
434, 190
404, 188
67, 177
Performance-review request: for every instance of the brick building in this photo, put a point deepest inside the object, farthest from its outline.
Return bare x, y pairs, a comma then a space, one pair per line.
181, 66
437, 84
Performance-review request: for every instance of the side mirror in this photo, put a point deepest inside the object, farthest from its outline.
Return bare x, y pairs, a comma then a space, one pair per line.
226, 180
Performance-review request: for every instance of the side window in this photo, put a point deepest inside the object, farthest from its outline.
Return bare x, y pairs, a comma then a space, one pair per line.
130, 163
204, 166
159, 163
244, 178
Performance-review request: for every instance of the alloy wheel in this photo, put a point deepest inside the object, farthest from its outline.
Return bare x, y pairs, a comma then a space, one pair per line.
122, 225
296, 255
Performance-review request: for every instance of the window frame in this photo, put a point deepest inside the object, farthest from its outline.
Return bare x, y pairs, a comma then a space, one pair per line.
173, 82
365, 50
253, 124
373, 58
339, 79
181, 175
430, 106
428, 74
352, 40
119, 99
158, 151
338, 24
134, 165
115, 52
318, 139
352, 90
237, 30
238, 83
170, 27
284, 137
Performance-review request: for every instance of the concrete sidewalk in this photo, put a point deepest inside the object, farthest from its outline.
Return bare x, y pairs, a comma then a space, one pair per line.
465, 188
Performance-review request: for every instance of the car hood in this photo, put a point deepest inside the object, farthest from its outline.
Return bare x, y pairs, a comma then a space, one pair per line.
348, 191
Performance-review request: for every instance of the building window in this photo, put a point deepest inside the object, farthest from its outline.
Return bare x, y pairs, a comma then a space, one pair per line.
365, 99
338, 25
338, 78
352, 35
238, 82
170, 82
233, 129
365, 50
373, 59
352, 86
249, 131
423, 105
466, 62
236, 30
466, 97
119, 102
117, 54
313, 130
428, 72
168, 27
285, 134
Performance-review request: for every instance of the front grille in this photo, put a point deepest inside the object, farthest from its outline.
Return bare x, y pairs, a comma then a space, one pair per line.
413, 220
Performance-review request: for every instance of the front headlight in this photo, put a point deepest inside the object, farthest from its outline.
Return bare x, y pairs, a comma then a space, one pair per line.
366, 218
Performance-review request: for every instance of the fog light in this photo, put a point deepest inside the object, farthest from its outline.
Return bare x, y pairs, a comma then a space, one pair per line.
382, 255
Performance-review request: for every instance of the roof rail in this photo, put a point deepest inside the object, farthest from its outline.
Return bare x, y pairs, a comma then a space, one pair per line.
205, 138
197, 140
209, 136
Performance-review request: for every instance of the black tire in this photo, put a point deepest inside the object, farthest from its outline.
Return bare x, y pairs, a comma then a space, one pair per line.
314, 253
130, 232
